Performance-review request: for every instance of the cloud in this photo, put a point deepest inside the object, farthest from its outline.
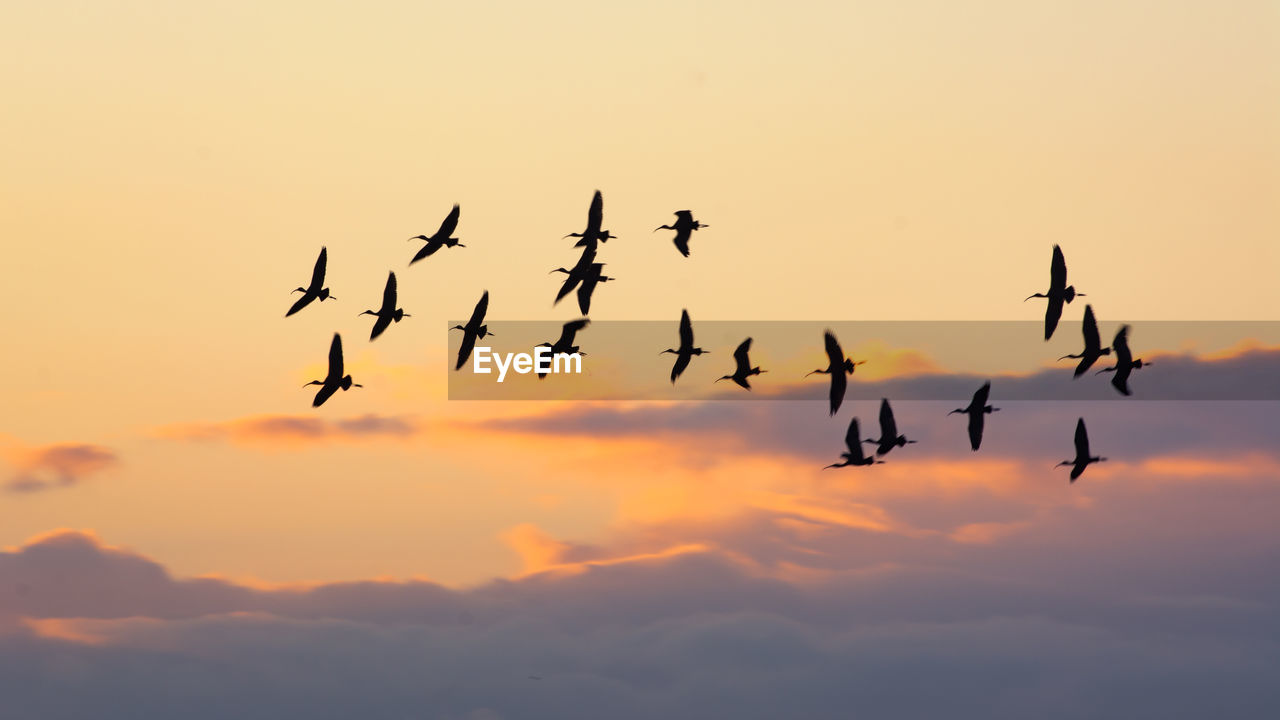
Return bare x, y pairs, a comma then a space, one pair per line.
294, 430
60, 465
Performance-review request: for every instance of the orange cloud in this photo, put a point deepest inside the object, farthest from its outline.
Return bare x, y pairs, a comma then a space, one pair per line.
294, 430
59, 465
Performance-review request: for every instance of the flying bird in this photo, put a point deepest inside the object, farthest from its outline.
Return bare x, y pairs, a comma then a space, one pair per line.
1059, 292
575, 274
743, 369
1125, 364
977, 411
316, 290
564, 344
388, 313
684, 227
441, 238
473, 330
336, 378
1082, 459
837, 367
593, 277
854, 456
593, 231
1092, 344
686, 351
889, 437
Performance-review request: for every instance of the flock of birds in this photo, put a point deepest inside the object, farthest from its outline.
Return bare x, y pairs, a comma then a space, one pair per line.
587, 274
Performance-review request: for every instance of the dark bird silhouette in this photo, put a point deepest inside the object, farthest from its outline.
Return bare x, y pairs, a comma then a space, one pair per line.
336, 378
977, 411
854, 456
564, 344
473, 330
743, 369
1125, 364
316, 290
593, 277
441, 238
1092, 344
837, 367
1059, 292
686, 351
593, 231
889, 437
684, 227
1082, 459
575, 274
388, 313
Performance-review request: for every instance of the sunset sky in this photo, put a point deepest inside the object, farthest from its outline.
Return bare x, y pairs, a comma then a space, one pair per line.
168, 495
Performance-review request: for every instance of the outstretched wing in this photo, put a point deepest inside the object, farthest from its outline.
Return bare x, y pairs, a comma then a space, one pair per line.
570, 330
976, 421
684, 217
335, 357
1082, 440
325, 393
389, 294
595, 215
382, 323
587, 287
686, 330
681, 241
1052, 314
450, 223
982, 395
1120, 344
835, 355
1057, 271
740, 356
888, 427
464, 350
1092, 341
838, 384
302, 302
317, 273
853, 438
682, 362
477, 315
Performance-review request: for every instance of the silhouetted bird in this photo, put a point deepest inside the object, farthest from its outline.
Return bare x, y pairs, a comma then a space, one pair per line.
441, 238
744, 369
316, 290
388, 313
1092, 344
564, 345
473, 330
837, 367
684, 227
1059, 292
686, 351
592, 278
576, 274
1082, 459
854, 456
977, 411
593, 231
1125, 364
336, 377
889, 437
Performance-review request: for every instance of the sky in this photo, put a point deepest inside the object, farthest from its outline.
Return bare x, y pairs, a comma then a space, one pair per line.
171, 505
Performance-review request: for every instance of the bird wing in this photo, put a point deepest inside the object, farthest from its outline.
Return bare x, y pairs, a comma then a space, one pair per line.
1120, 344
317, 273
1052, 314
1057, 271
335, 357
571, 329
570, 282
1120, 381
684, 217
853, 438
835, 355
302, 302
976, 421
682, 362
888, 427
326, 391
740, 356
980, 397
450, 222
681, 241
389, 294
585, 290
595, 215
1092, 341
464, 350
686, 330
382, 323
1082, 440
426, 251
838, 384
477, 315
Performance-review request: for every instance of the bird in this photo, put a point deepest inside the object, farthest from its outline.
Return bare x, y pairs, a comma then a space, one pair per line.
316, 290
388, 313
684, 227
854, 456
889, 437
473, 330
1092, 345
335, 379
1125, 364
564, 344
977, 411
837, 367
576, 274
1082, 459
744, 369
588, 285
686, 351
1059, 292
441, 238
593, 231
